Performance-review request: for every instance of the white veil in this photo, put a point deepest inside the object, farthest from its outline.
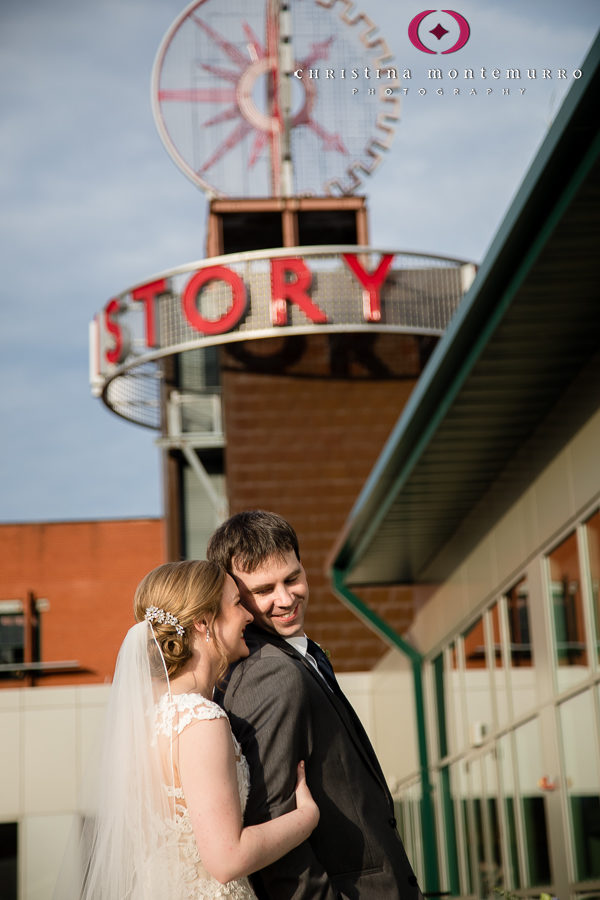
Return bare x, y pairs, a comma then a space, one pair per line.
124, 849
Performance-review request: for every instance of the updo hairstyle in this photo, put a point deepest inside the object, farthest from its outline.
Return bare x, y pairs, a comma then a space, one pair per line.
192, 591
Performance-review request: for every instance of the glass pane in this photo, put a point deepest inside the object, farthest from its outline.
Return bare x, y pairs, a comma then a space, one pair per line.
485, 829
475, 646
459, 793
567, 606
454, 719
475, 831
523, 683
407, 807
8, 860
582, 778
440, 704
12, 645
593, 540
495, 876
530, 769
478, 688
12, 637
199, 369
448, 830
517, 607
499, 679
496, 636
200, 515
505, 764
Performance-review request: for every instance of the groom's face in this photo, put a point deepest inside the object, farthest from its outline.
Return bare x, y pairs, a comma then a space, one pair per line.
276, 594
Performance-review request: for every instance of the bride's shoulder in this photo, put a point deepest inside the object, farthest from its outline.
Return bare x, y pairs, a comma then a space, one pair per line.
175, 711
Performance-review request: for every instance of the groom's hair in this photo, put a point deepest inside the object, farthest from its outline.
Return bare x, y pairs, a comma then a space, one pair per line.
250, 538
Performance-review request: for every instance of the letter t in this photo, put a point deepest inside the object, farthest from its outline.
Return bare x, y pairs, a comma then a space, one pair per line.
148, 293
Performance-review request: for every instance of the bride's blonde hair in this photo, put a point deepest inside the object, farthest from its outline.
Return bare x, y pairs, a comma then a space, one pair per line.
191, 591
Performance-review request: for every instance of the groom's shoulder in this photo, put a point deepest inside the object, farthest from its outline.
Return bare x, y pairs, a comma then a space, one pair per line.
262, 646
268, 657
260, 641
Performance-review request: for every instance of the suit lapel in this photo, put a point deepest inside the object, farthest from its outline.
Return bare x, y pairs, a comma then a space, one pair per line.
337, 699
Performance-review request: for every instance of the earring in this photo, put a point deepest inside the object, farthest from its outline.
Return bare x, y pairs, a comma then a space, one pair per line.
207, 634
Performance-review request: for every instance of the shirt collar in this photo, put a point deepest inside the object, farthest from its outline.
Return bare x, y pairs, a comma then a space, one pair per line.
299, 643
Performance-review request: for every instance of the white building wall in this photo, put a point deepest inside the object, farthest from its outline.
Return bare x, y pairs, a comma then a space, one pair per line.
384, 701
47, 735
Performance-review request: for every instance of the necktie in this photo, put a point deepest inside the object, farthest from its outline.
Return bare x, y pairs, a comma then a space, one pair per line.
323, 665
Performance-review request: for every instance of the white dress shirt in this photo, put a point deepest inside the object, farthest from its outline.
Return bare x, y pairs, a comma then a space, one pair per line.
300, 643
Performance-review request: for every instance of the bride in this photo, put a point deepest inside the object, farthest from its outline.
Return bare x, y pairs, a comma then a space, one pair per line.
169, 818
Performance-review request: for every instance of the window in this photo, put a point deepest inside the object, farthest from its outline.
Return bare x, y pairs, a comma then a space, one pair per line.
19, 635
582, 781
8, 860
592, 527
530, 765
567, 612
480, 709
12, 637
12, 634
500, 769
517, 607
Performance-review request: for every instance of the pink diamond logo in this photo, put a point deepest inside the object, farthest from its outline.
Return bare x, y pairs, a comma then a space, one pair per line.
439, 31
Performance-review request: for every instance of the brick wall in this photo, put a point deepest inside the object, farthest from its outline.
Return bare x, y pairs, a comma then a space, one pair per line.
306, 419
88, 572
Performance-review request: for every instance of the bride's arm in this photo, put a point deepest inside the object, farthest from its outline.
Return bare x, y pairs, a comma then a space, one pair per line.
209, 781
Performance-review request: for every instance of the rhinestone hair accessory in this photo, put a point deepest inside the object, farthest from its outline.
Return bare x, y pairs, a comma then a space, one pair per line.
156, 614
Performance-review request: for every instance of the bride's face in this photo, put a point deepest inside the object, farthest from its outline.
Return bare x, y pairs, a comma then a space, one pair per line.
231, 622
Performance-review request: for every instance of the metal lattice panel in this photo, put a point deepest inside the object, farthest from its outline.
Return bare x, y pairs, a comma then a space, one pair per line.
234, 81
419, 295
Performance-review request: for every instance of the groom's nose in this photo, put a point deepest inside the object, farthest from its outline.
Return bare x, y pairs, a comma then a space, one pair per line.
283, 595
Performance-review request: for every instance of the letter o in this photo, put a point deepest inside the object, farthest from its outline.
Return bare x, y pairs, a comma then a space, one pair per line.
577, 73
190, 296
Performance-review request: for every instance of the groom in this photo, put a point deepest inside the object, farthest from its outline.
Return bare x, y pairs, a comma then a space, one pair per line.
285, 705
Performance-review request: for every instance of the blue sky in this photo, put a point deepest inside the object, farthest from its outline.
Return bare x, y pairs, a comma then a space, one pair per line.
92, 203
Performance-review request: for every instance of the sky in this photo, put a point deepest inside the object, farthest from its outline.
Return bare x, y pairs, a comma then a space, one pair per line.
92, 203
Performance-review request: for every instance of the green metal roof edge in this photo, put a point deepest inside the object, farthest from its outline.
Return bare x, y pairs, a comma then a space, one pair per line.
479, 313
364, 612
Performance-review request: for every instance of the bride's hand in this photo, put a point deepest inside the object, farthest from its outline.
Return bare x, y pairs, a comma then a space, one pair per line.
304, 798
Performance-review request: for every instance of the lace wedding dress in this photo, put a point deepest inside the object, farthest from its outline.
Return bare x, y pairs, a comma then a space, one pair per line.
173, 714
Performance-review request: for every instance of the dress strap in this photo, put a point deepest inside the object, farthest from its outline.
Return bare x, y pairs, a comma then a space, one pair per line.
176, 712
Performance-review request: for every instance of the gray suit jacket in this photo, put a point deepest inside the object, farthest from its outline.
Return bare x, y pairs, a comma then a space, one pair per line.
281, 711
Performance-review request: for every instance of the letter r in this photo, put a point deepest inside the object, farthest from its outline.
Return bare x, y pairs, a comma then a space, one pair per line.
283, 291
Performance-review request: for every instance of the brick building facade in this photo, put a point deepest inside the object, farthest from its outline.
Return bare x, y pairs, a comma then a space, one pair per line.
306, 418
74, 582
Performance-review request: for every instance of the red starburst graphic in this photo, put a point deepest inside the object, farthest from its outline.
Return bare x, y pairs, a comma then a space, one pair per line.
242, 71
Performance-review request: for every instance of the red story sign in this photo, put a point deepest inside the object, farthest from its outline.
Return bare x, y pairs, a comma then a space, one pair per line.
291, 281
